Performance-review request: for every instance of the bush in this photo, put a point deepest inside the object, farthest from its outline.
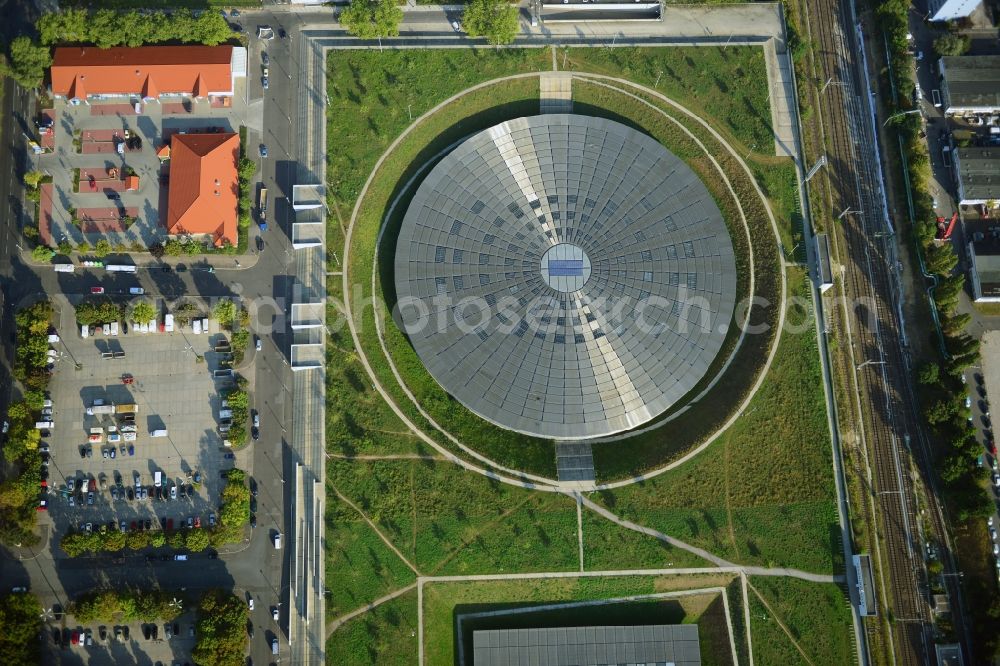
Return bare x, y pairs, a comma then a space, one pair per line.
143, 311
97, 311
173, 248
102, 248
42, 253
225, 312
66, 248
951, 45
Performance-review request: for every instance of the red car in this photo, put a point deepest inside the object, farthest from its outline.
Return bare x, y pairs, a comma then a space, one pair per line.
992, 446
133, 526
197, 521
97, 290
75, 640
170, 523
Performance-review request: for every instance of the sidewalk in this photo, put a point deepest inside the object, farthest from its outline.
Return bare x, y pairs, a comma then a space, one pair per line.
144, 260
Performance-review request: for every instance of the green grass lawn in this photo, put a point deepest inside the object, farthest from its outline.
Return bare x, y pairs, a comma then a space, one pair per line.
384, 635
450, 521
360, 568
610, 547
443, 600
763, 492
727, 86
818, 616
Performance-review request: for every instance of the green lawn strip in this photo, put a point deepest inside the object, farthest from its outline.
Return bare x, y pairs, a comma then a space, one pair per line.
447, 520
386, 634
649, 450
777, 178
476, 111
442, 601
609, 547
817, 615
358, 421
772, 467
726, 85
734, 591
360, 568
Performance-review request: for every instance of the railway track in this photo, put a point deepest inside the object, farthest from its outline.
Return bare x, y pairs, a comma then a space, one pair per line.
868, 256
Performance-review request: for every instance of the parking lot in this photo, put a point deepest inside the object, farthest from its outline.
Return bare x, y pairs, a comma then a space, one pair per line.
171, 391
132, 643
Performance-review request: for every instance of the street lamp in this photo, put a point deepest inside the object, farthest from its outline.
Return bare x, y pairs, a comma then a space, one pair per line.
901, 113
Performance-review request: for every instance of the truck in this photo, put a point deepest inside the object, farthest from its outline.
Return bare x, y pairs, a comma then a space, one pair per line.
64, 268
126, 408
100, 409
262, 209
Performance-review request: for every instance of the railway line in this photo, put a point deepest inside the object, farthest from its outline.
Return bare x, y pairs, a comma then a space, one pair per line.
887, 418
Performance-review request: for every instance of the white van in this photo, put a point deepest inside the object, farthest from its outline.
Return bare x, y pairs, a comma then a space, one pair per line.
168, 323
277, 541
157, 479
158, 433
114, 328
196, 325
84, 331
44, 425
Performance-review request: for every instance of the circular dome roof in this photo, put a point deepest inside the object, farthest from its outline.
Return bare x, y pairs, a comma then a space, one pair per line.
564, 276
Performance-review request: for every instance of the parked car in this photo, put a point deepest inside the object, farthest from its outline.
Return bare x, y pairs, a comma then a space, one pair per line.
229, 456
263, 150
97, 290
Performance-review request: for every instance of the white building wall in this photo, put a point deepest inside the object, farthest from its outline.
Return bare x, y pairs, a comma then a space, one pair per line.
951, 10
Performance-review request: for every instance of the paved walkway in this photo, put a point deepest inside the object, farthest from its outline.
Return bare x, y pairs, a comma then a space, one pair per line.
556, 92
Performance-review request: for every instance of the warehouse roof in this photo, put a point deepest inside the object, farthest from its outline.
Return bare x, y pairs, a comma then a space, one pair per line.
972, 81
979, 173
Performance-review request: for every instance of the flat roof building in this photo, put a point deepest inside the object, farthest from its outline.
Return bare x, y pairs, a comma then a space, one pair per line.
83, 72
978, 174
970, 84
984, 271
675, 644
565, 276
204, 189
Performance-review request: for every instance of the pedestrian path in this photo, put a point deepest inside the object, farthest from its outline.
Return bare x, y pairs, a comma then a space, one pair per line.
556, 92
782, 96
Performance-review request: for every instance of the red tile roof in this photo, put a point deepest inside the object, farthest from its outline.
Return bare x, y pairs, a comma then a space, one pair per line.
149, 71
204, 188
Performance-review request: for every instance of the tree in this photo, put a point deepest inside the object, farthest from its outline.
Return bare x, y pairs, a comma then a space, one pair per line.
42, 253
951, 45
32, 179
143, 311
157, 250
222, 622
20, 623
197, 540
173, 247
247, 168
65, 247
137, 540
929, 374
83, 247
496, 20
28, 62
158, 539
114, 541
372, 19
225, 312
102, 248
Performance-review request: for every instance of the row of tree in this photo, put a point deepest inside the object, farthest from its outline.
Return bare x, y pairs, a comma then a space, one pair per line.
123, 605
234, 514
496, 20
21, 488
28, 59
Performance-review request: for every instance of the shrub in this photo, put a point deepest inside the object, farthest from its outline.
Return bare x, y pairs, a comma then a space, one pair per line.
42, 253
102, 248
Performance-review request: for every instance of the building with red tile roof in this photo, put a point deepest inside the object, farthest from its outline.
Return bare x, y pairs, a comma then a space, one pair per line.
204, 188
82, 72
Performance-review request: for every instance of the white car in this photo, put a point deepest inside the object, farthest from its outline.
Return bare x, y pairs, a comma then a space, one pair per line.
259, 347
274, 613
173, 492
250, 601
